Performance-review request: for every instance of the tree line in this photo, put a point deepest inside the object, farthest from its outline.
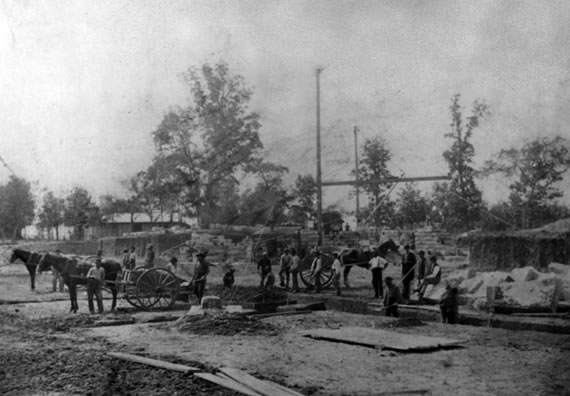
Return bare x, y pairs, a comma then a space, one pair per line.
207, 150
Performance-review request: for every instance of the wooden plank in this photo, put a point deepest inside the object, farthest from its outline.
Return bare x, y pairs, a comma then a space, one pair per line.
383, 339
263, 387
227, 383
153, 362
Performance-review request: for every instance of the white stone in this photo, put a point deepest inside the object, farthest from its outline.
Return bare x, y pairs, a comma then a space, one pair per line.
559, 269
211, 302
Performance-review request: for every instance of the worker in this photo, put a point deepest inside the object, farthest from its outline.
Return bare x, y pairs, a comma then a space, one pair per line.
392, 298
408, 268
316, 270
295, 263
336, 270
284, 269
449, 305
173, 265
377, 265
229, 278
432, 278
149, 259
269, 281
422, 264
95, 279
126, 257
200, 274
132, 259
263, 268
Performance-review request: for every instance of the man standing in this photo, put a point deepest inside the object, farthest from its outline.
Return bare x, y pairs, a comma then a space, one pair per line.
316, 269
285, 268
392, 298
408, 267
95, 279
377, 265
57, 279
200, 273
422, 267
295, 263
336, 269
149, 259
263, 268
132, 259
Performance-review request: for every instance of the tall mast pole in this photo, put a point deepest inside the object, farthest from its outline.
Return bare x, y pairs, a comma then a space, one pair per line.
356, 166
319, 186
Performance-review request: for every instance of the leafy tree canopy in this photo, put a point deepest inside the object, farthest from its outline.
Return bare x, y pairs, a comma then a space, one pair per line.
16, 207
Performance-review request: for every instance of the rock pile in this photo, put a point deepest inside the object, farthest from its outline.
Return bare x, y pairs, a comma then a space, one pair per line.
521, 287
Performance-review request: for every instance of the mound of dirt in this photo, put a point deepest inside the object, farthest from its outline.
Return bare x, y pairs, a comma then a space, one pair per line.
225, 324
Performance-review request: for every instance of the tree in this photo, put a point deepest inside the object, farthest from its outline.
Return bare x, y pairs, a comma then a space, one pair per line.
80, 212
211, 139
460, 160
304, 193
375, 156
267, 203
411, 206
534, 171
51, 213
332, 220
16, 207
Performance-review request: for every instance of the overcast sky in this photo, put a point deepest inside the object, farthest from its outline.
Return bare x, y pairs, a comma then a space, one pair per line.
83, 84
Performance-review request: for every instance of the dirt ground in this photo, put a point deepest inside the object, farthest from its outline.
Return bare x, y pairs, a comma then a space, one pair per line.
45, 351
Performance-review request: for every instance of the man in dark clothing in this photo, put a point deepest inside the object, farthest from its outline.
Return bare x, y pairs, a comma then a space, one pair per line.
422, 264
449, 305
263, 268
200, 273
391, 298
149, 259
408, 268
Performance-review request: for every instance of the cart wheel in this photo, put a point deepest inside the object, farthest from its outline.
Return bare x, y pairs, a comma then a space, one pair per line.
157, 287
130, 292
325, 275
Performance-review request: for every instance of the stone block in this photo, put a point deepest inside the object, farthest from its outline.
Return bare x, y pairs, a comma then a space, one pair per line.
559, 269
211, 302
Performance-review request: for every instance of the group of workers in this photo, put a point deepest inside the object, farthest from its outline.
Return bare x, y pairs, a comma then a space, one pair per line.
428, 273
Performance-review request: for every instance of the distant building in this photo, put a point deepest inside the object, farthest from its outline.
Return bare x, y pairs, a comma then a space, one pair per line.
115, 225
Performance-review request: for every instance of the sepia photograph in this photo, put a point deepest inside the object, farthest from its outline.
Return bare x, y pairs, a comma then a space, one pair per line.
285, 197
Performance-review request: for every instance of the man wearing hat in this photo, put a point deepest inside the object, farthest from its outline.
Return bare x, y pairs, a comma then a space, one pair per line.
95, 279
200, 273
316, 269
336, 268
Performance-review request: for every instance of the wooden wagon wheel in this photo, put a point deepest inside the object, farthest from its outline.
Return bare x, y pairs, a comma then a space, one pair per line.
130, 286
325, 275
157, 287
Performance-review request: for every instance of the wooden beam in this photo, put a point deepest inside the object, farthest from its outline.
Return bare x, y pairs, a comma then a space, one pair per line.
284, 313
153, 362
227, 383
260, 386
384, 181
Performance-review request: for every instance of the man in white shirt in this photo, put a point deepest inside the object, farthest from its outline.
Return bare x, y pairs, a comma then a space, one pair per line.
377, 265
316, 270
95, 279
336, 269
295, 262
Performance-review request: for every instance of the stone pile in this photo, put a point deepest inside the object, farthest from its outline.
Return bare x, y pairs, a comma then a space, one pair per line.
521, 287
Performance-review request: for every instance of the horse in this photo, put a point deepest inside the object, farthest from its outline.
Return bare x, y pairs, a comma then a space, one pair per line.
362, 258
75, 273
31, 261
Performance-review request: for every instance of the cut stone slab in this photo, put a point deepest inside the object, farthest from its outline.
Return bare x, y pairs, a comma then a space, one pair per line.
382, 339
210, 302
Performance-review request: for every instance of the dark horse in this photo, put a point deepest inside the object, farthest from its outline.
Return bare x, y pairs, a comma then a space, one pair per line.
75, 273
362, 258
31, 261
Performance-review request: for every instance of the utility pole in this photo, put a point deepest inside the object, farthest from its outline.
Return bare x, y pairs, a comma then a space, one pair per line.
319, 186
356, 166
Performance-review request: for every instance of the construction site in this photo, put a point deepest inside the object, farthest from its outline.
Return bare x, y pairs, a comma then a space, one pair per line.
512, 335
